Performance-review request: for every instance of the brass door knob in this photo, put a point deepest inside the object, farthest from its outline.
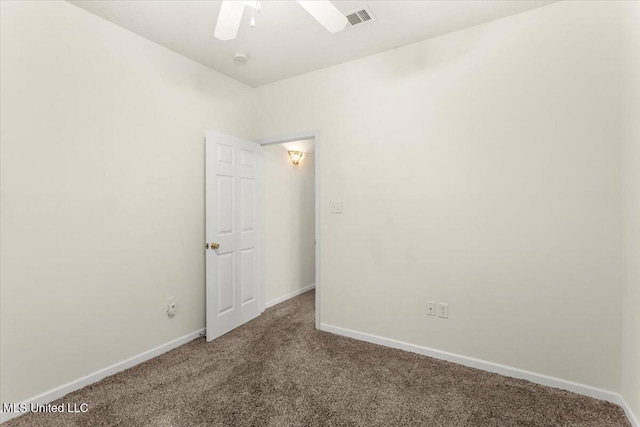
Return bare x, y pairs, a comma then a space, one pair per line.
215, 246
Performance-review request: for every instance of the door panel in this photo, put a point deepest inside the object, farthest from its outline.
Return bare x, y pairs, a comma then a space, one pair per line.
226, 282
248, 279
234, 205
225, 204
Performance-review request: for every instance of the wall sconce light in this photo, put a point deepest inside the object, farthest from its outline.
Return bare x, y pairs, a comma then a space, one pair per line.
296, 156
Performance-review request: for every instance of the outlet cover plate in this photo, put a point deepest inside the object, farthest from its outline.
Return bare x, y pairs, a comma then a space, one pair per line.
171, 306
443, 310
431, 308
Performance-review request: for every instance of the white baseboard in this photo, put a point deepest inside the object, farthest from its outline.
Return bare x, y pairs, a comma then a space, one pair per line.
633, 419
507, 371
58, 392
290, 295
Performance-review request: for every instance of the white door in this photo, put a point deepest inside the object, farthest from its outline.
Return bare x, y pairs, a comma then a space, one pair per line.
234, 254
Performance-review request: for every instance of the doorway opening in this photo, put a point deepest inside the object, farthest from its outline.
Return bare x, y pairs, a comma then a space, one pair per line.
291, 218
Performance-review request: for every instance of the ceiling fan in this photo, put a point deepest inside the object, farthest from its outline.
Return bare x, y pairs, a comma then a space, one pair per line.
232, 10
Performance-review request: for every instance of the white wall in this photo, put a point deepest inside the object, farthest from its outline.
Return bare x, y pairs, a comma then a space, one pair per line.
631, 208
102, 192
480, 168
289, 222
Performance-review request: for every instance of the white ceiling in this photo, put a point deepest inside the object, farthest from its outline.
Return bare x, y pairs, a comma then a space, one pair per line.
287, 41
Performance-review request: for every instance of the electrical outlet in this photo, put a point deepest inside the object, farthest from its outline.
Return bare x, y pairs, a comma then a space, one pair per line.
336, 207
431, 308
171, 306
443, 310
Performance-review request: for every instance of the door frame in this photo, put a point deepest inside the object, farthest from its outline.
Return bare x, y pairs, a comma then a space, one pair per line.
281, 140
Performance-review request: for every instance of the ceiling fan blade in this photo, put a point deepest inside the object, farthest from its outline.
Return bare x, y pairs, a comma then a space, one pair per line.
229, 20
325, 13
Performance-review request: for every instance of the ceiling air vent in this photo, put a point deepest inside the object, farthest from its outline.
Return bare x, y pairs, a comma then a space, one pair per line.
359, 17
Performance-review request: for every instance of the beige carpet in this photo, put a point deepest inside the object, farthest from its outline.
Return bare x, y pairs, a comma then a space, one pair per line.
279, 371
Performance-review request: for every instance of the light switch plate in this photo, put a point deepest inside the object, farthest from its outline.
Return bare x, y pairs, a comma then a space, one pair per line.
336, 206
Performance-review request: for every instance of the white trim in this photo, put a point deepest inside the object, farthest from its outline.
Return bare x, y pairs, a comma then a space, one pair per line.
58, 392
291, 137
586, 390
290, 295
627, 410
317, 146
508, 371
